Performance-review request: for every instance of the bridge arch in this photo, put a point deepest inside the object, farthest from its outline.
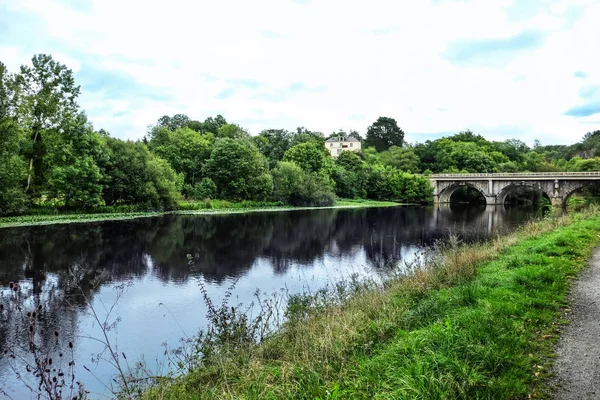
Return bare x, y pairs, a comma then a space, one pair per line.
571, 189
514, 188
445, 194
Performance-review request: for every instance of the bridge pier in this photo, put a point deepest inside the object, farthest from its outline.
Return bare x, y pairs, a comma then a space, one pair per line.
491, 200
558, 202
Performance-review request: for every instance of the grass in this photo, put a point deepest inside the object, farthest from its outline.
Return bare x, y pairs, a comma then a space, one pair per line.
476, 321
47, 216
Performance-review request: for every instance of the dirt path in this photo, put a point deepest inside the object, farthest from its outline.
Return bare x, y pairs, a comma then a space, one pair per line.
577, 365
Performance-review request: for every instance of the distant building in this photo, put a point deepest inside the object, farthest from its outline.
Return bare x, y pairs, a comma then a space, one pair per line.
337, 144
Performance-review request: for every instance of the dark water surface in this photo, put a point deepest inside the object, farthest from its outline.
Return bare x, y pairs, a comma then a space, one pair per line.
296, 250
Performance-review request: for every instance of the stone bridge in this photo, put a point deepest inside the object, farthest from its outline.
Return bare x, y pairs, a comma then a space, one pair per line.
557, 186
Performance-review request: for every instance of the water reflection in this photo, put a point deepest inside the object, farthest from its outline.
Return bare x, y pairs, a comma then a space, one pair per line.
259, 250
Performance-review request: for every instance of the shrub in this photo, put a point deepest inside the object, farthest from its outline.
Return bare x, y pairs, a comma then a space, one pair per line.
206, 189
297, 187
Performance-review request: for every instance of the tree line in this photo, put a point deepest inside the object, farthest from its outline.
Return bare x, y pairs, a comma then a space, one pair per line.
52, 156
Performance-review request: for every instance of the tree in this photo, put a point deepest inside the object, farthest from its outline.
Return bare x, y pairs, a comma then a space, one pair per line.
164, 184
239, 171
310, 156
402, 158
232, 131
185, 149
468, 157
273, 143
350, 161
5, 92
46, 99
303, 135
384, 133
12, 170
70, 164
172, 123
212, 125
295, 186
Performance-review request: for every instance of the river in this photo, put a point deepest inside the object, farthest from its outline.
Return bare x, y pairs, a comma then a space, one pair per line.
161, 302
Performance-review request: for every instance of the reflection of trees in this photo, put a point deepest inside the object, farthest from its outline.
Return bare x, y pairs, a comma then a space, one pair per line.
227, 245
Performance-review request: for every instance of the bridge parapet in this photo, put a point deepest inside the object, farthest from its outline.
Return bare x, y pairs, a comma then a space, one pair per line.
519, 175
557, 186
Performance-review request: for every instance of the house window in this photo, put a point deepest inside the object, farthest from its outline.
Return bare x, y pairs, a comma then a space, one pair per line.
339, 151
350, 144
330, 144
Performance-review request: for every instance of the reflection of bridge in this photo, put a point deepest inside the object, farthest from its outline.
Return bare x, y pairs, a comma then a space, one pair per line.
557, 186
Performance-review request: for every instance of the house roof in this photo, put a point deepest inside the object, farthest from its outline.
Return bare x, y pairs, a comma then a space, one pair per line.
342, 139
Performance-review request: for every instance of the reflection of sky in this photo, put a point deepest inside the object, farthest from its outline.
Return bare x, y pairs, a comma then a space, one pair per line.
154, 310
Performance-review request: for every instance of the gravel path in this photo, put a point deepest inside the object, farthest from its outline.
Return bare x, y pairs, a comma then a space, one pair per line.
577, 366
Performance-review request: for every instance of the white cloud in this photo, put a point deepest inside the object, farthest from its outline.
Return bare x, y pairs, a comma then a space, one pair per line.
382, 57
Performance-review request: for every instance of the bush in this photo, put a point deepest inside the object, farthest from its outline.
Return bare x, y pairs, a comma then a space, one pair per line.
348, 184
387, 183
206, 189
297, 187
239, 171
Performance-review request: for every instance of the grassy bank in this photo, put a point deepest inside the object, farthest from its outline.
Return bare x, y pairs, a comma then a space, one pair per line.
469, 322
53, 216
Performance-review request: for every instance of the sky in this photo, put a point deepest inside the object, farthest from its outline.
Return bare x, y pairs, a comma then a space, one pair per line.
524, 69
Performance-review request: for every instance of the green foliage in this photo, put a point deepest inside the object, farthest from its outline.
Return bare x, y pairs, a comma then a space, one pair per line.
5, 92
206, 189
232, 131
350, 161
577, 164
239, 171
387, 183
71, 164
273, 143
311, 157
402, 158
303, 135
133, 175
384, 133
468, 156
163, 188
185, 149
212, 125
298, 187
348, 184
45, 100
12, 170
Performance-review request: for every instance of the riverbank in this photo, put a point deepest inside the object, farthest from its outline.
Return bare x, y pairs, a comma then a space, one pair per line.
474, 321
214, 207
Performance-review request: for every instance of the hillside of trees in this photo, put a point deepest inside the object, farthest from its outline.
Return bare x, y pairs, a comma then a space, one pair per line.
52, 156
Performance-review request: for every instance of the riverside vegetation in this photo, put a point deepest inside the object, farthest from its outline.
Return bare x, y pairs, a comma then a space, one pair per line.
476, 321
52, 160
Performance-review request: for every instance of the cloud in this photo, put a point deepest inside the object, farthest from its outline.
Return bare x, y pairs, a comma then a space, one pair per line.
589, 91
285, 93
248, 83
494, 50
585, 110
225, 93
116, 84
273, 70
580, 74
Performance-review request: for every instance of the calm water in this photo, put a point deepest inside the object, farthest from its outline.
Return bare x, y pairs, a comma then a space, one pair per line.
296, 250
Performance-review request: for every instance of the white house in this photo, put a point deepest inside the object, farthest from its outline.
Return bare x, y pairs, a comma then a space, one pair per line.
337, 144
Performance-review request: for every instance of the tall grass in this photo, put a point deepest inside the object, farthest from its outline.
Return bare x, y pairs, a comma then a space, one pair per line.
473, 321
